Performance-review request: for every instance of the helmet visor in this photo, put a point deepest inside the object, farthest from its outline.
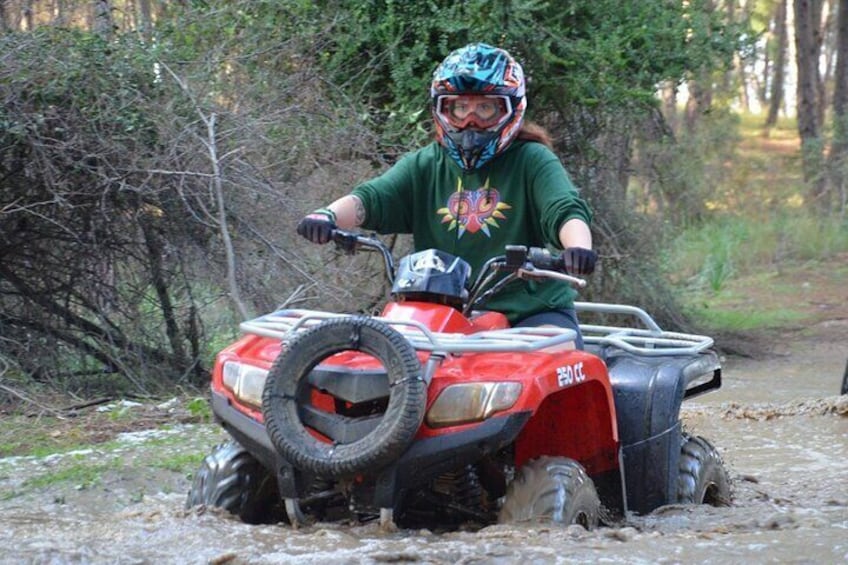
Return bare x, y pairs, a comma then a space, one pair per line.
460, 111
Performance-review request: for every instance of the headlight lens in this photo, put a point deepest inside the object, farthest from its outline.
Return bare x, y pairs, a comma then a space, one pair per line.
245, 381
471, 402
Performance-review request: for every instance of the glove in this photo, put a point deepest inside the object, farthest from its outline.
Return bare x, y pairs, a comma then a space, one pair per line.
579, 261
318, 226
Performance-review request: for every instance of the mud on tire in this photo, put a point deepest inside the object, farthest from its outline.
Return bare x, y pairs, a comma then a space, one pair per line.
552, 488
232, 479
702, 478
287, 382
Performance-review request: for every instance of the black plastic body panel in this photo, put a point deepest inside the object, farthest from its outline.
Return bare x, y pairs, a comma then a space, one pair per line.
648, 393
350, 386
245, 430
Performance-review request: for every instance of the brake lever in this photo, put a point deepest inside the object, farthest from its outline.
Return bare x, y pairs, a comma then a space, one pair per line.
532, 273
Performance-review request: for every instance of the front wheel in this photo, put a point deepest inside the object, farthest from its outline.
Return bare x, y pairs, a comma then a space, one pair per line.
232, 479
555, 489
702, 478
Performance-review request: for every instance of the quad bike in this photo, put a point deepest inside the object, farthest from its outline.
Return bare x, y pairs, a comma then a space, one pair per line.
844, 389
437, 412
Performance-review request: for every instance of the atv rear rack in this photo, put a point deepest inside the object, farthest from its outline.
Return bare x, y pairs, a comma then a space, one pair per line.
653, 341
650, 341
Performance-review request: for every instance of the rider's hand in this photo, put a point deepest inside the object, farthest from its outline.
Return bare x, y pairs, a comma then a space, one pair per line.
318, 226
579, 261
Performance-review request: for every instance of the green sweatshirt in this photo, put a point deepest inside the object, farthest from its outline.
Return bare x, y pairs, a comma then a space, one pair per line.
521, 197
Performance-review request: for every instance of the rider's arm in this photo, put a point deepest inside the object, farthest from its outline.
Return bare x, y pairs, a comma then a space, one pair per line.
564, 216
575, 233
349, 211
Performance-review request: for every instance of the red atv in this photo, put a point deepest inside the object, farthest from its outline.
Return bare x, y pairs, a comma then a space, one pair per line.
440, 413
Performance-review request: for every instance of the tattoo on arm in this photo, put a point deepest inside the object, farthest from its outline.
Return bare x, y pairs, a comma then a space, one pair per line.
360, 212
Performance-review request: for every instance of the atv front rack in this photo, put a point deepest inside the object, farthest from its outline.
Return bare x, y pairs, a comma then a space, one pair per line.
286, 323
652, 341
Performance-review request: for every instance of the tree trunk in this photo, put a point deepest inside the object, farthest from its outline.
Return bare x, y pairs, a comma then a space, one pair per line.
699, 101
817, 26
744, 100
840, 90
763, 85
669, 104
60, 13
103, 23
779, 77
700, 90
159, 279
728, 76
146, 19
29, 15
838, 160
829, 40
809, 125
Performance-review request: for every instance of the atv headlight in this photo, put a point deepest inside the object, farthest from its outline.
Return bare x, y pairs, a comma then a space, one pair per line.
245, 381
471, 402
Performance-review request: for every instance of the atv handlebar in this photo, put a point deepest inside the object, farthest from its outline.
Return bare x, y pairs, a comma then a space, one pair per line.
538, 263
518, 261
350, 242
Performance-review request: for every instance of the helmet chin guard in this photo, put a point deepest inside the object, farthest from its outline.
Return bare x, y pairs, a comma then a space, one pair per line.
473, 146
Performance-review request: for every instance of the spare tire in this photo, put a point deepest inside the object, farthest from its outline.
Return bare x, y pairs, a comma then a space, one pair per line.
287, 387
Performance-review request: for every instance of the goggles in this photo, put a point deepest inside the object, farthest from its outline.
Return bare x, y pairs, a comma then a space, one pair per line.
481, 111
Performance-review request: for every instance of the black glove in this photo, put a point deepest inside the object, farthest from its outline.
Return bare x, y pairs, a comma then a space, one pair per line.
318, 226
579, 261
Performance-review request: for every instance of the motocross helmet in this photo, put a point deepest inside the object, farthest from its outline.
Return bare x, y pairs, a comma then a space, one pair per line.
478, 103
432, 276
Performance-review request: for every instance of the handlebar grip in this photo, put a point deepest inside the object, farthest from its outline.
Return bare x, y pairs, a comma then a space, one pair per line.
544, 259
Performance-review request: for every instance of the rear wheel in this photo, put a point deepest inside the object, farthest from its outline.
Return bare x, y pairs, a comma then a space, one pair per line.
702, 478
556, 489
232, 479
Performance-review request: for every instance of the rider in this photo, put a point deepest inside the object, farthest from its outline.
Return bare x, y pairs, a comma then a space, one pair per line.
489, 180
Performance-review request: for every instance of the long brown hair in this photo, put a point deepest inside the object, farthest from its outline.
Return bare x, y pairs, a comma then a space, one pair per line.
531, 131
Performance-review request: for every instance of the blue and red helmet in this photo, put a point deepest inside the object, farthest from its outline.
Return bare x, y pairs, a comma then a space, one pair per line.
478, 103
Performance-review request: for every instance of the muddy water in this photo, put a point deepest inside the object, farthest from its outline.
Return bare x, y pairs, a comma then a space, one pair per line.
778, 424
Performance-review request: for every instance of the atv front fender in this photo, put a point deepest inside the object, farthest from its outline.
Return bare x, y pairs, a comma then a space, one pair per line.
648, 393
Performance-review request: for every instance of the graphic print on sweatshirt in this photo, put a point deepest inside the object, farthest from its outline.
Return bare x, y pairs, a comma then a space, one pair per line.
473, 210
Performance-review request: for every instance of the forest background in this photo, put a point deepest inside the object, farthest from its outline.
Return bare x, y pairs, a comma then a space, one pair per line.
156, 155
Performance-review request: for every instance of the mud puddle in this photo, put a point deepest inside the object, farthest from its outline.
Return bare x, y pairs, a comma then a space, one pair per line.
778, 424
